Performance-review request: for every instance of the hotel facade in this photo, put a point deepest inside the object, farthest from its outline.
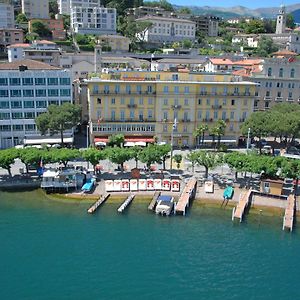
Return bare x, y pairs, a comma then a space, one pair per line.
145, 105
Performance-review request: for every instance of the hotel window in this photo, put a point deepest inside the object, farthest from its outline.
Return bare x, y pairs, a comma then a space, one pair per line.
28, 93
186, 89
27, 81
165, 128
281, 72
166, 89
28, 104
186, 102
293, 73
165, 101
141, 101
149, 89
117, 89
122, 101
279, 94
150, 114
18, 128
128, 89
165, 115
139, 89
113, 115
131, 114
224, 101
141, 115
176, 89
3, 93
53, 102
41, 104
40, 81
199, 115
245, 102
232, 102
29, 115
269, 72
232, 115
15, 93
207, 115
215, 114
122, 115
17, 115
131, 101
199, 101
207, 101
185, 116
290, 95
231, 127
64, 81
113, 101
40, 93
223, 115
52, 81
3, 81
184, 128
4, 116
29, 127
53, 92
65, 92
14, 81
150, 101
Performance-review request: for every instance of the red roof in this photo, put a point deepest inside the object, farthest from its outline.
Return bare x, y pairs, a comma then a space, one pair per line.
248, 62
19, 45
221, 61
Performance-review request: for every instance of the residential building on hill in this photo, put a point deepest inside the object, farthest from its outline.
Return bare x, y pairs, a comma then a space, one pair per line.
7, 17
167, 30
116, 43
43, 51
145, 105
91, 18
27, 88
208, 25
36, 9
9, 36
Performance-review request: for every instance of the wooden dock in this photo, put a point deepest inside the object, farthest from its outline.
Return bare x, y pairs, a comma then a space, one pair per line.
239, 210
153, 201
125, 204
188, 193
288, 219
99, 202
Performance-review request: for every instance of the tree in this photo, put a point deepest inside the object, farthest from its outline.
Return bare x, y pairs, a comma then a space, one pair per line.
63, 155
265, 47
290, 22
178, 159
94, 155
116, 140
30, 37
118, 155
192, 158
164, 151
7, 158
200, 132
135, 154
187, 44
58, 118
150, 155
208, 160
254, 26
40, 28
21, 18
30, 156
220, 130
161, 3
67, 21
184, 10
53, 7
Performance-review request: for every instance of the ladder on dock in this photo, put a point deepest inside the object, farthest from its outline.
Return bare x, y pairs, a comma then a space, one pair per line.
239, 210
189, 192
153, 201
126, 203
98, 203
288, 219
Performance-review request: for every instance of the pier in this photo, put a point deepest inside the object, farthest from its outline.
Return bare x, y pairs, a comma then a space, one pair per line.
153, 201
125, 204
98, 203
238, 212
188, 193
288, 219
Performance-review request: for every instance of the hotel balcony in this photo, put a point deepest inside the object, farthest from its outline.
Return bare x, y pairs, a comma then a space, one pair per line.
216, 106
268, 98
290, 99
278, 99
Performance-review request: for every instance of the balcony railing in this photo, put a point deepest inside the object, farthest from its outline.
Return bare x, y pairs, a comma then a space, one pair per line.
268, 98
132, 105
216, 106
278, 98
290, 99
97, 92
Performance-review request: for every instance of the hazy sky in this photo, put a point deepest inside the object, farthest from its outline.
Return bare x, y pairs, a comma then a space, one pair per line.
227, 3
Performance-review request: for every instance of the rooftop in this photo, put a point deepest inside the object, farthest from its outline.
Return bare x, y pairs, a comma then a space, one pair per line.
30, 64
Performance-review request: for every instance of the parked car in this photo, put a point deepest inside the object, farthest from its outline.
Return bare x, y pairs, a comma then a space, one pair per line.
293, 150
267, 149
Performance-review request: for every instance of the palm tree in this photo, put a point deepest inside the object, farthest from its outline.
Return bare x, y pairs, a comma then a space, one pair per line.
200, 132
214, 131
220, 130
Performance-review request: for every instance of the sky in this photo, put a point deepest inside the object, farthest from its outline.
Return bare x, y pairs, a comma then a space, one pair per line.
228, 3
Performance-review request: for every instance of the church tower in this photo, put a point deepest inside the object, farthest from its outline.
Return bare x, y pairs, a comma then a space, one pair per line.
281, 20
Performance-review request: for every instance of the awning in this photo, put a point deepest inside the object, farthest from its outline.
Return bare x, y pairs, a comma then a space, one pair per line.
222, 141
139, 139
51, 140
100, 139
141, 144
129, 144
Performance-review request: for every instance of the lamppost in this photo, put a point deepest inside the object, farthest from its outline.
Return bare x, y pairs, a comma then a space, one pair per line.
174, 126
248, 139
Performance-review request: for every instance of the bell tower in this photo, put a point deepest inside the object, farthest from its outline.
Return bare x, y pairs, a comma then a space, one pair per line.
281, 20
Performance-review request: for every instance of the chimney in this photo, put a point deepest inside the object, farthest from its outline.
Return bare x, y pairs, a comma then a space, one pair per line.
23, 68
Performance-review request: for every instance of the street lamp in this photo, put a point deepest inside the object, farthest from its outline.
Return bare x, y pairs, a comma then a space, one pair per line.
174, 126
248, 139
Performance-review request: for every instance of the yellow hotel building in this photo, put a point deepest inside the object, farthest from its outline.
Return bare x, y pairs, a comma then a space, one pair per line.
144, 105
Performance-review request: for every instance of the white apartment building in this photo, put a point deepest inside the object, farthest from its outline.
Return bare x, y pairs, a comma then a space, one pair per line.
167, 30
36, 9
27, 87
88, 17
64, 6
7, 18
278, 82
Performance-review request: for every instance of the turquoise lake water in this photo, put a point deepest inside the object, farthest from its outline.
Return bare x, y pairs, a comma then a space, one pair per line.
52, 250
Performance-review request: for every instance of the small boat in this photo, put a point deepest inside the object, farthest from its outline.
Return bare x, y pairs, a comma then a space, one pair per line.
165, 205
228, 193
88, 186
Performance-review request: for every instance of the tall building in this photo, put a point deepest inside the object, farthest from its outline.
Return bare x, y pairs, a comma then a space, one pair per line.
64, 6
38, 9
208, 25
90, 18
281, 20
7, 17
27, 87
144, 105
167, 30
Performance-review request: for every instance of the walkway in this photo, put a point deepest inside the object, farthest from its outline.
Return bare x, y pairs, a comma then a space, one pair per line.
288, 219
238, 212
188, 193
